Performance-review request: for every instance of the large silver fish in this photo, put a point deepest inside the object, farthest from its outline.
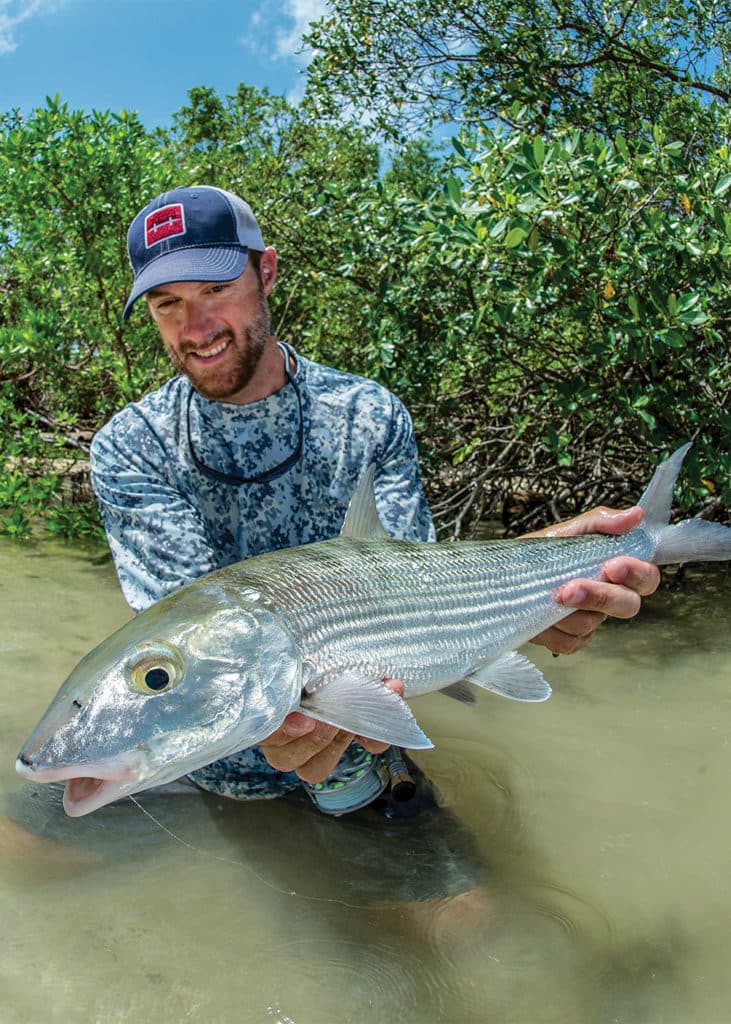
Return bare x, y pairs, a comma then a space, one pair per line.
215, 667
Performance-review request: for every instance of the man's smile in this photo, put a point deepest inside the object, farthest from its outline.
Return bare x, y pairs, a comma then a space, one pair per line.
208, 355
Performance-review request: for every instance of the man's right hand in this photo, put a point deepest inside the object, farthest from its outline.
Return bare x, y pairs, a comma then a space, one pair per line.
313, 749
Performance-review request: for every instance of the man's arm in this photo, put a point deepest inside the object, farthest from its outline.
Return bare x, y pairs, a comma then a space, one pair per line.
156, 537
400, 498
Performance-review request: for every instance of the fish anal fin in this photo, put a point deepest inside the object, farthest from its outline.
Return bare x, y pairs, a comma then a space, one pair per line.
363, 705
512, 675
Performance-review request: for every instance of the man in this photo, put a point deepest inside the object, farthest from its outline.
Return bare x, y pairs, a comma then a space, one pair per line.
251, 448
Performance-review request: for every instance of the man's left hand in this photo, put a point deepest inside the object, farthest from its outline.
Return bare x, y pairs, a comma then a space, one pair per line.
625, 581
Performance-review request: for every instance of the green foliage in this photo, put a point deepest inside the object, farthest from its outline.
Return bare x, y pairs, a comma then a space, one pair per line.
71, 182
583, 62
599, 273
73, 521
550, 298
574, 259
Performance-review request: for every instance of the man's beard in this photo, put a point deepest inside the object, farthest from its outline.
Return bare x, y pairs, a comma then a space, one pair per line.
220, 385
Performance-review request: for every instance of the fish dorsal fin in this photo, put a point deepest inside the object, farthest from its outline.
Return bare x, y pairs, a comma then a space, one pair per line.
362, 521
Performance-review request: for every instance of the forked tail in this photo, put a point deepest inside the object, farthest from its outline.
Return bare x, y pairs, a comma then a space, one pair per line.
692, 540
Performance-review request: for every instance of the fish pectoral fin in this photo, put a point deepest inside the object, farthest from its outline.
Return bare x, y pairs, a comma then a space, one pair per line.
365, 706
461, 691
512, 675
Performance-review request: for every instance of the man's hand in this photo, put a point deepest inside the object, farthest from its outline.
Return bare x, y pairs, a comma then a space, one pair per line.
312, 749
625, 581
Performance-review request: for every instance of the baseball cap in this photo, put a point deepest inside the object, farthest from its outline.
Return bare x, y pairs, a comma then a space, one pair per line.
200, 233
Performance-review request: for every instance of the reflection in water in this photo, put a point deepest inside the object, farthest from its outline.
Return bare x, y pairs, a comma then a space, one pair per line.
593, 836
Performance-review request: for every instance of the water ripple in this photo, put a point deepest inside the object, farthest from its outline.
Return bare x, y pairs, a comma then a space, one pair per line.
347, 978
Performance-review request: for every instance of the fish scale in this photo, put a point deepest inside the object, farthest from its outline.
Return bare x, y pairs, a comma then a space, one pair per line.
424, 612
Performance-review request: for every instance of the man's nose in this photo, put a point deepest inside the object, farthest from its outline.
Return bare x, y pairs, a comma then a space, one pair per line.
198, 321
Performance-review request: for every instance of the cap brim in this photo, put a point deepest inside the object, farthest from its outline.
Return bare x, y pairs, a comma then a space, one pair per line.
221, 263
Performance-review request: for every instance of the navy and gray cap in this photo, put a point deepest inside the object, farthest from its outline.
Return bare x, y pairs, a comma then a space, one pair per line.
190, 234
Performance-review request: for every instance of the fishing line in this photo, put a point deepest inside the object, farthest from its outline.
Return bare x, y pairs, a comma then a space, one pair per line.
247, 867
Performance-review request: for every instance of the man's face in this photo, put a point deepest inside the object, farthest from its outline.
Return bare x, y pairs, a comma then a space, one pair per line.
215, 332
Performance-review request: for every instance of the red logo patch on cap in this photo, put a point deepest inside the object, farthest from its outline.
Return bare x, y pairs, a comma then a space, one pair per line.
164, 223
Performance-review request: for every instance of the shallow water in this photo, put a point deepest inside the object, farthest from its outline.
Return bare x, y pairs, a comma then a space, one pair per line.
600, 817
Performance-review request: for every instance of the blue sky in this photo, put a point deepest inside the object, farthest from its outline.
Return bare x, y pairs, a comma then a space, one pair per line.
144, 55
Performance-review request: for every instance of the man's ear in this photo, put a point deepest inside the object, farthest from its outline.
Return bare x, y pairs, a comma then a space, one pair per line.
268, 268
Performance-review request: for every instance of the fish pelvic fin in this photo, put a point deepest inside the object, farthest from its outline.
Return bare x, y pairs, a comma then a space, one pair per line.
362, 521
514, 676
364, 705
693, 540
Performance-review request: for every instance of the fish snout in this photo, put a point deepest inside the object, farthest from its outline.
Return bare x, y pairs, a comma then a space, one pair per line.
120, 769
26, 766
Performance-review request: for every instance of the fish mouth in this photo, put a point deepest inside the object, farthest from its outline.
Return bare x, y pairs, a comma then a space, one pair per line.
88, 786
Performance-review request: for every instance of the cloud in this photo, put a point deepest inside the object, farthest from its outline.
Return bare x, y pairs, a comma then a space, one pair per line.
282, 30
14, 12
300, 13
279, 32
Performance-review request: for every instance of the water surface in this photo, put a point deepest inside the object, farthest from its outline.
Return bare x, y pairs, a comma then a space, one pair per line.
600, 818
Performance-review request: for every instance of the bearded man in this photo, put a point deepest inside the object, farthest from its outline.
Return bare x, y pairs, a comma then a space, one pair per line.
252, 447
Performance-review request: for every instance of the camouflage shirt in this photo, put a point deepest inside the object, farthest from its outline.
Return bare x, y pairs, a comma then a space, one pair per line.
169, 522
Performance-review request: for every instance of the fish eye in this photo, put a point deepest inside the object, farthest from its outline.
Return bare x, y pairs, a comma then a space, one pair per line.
157, 678
155, 668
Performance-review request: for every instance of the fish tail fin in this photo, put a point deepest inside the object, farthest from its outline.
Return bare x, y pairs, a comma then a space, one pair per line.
693, 540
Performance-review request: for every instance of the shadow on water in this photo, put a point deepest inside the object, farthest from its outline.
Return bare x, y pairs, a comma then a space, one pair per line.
575, 874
